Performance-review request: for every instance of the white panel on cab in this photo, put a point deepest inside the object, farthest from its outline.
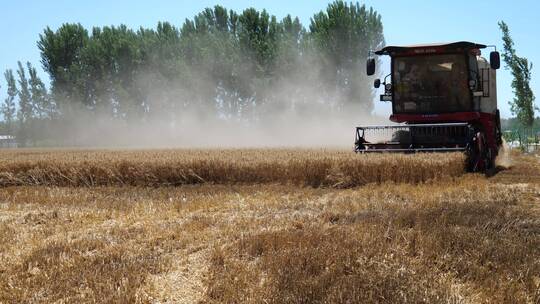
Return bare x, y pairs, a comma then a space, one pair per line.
488, 79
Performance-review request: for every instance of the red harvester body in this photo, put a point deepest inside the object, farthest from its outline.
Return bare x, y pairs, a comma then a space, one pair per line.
444, 98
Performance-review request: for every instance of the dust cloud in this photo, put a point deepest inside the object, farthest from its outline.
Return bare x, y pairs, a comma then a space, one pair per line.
287, 130
504, 158
299, 110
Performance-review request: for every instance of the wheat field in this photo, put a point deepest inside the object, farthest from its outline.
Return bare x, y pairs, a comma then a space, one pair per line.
318, 226
313, 167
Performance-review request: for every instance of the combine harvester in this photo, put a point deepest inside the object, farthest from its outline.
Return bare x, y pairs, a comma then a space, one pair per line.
444, 98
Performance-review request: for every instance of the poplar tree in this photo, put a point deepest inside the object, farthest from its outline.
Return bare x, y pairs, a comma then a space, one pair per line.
8, 107
25, 113
523, 103
42, 105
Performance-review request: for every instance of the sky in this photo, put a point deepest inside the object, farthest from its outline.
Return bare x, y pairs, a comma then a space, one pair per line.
405, 22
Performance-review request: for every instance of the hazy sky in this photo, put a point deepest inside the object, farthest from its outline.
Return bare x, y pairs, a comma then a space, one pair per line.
405, 22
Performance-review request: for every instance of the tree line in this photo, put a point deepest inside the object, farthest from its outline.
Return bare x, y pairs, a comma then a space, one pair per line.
220, 64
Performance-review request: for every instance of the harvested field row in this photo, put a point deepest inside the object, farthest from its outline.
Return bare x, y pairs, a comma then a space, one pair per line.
313, 167
457, 241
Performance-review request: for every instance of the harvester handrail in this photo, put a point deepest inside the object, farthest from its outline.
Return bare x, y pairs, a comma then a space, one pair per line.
457, 149
448, 124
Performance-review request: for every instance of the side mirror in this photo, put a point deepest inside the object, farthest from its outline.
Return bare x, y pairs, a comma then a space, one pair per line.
370, 66
377, 83
495, 60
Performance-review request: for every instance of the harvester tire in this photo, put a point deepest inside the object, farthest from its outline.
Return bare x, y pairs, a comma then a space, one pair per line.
491, 168
479, 156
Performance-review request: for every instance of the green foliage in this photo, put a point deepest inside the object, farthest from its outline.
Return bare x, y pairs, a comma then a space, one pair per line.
61, 58
8, 107
344, 34
523, 104
42, 104
36, 110
26, 111
25, 102
514, 124
219, 64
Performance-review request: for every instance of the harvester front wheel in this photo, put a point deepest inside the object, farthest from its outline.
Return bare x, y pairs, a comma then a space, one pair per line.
480, 157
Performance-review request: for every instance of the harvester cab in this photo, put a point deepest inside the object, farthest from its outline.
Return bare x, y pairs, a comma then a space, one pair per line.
444, 98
